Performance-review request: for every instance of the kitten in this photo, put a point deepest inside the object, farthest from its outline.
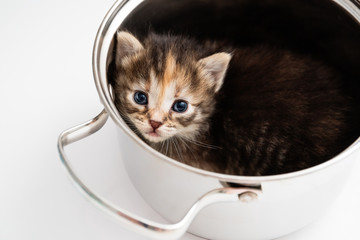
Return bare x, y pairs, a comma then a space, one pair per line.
241, 111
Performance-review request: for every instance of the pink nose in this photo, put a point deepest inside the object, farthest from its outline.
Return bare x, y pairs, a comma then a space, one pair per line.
155, 124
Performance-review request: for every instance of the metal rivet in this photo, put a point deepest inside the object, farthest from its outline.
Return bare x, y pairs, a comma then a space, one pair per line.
247, 197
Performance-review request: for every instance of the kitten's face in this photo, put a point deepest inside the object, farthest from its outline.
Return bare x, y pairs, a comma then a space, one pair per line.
164, 96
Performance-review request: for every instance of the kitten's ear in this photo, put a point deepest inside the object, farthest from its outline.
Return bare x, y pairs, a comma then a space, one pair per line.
215, 67
127, 45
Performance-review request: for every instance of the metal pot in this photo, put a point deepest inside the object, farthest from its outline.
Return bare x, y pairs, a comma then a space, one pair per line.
207, 204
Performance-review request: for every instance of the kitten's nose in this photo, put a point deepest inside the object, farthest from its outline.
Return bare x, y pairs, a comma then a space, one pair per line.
155, 124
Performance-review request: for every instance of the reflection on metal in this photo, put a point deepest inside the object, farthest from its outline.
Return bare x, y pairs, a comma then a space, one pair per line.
147, 227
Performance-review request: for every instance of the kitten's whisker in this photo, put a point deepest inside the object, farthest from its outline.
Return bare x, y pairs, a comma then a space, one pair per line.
201, 144
187, 147
179, 149
167, 147
161, 146
135, 130
176, 148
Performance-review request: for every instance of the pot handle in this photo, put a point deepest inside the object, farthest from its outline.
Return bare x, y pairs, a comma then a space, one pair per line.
141, 225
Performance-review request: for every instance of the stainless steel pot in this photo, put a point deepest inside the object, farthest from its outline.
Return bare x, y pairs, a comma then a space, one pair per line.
207, 204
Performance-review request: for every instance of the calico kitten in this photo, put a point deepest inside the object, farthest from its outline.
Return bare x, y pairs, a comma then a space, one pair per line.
242, 111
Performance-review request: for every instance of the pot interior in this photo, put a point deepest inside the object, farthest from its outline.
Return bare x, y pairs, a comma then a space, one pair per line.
319, 28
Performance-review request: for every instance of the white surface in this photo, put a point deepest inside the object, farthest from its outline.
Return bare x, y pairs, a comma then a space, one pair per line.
46, 86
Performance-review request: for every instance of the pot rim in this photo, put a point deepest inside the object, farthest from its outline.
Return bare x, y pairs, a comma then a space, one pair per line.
113, 19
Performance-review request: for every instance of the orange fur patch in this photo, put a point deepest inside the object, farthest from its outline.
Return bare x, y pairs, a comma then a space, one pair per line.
169, 73
170, 69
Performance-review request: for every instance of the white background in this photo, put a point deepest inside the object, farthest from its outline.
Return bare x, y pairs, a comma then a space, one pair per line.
46, 87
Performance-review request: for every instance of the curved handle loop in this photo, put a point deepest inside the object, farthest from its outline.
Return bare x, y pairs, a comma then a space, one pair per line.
141, 225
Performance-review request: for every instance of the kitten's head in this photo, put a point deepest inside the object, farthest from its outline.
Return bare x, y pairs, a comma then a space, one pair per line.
166, 86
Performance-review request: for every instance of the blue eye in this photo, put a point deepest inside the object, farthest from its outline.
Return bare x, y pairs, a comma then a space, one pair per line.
180, 106
140, 98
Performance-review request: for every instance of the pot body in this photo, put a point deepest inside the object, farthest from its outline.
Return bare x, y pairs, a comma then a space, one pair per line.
288, 202
285, 205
